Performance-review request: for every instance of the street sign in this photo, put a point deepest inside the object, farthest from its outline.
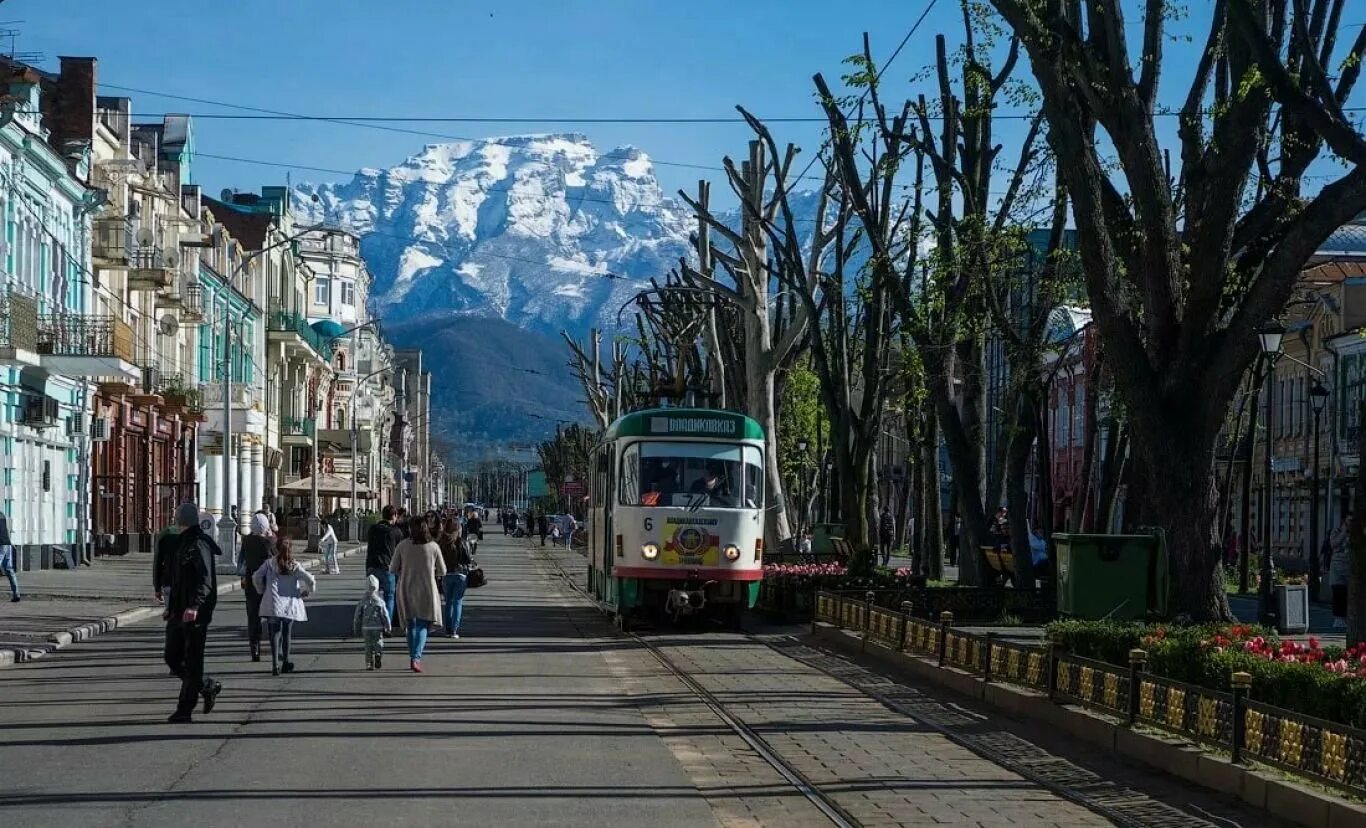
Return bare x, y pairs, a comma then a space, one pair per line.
573, 488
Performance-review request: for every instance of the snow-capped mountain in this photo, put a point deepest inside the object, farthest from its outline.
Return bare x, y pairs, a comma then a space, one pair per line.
540, 230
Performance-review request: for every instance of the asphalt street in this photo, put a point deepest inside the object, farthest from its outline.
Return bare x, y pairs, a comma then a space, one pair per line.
518, 723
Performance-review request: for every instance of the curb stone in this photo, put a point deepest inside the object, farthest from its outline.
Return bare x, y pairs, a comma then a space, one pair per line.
9, 656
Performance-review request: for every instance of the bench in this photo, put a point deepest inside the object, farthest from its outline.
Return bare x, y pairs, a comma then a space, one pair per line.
844, 553
1001, 562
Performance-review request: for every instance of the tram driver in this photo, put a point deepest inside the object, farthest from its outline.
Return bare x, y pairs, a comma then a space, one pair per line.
714, 485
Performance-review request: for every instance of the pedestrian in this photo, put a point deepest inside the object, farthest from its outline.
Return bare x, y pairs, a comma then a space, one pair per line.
274, 518
283, 585
189, 611
163, 562
269, 521
418, 566
328, 544
886, 533
257, 548
804, 544
7, 560
955, 528
402, 523
1339, 570
380, 543
456, 555
542, 526
370, 622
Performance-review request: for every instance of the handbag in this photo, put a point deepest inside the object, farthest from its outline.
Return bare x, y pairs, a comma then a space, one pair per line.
476, 578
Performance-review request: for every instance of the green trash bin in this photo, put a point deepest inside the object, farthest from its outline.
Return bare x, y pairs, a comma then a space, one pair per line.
821, 533
1122, 577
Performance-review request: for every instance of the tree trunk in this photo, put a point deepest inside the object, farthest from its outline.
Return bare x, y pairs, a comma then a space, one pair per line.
1082, 502
1044, 462
1245, 519
1017, 493
764, 411
1116, 461
1177, 478
965, 460
933, 560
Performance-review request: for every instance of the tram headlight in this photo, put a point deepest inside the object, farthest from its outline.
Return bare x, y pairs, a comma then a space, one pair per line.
732, 552
649, 551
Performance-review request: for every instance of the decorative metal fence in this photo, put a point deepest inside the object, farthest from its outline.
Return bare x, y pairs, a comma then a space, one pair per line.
1328, 752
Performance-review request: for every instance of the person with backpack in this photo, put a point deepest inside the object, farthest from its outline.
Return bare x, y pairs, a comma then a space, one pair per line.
7, 560
455, 554
380, 543
283, 585
190, 603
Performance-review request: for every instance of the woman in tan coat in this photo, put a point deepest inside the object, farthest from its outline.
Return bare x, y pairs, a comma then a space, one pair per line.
417, 567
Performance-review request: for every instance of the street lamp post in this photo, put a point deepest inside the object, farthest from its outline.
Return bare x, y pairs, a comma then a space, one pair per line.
801, 482
1318, 398
1270, 338
228, 528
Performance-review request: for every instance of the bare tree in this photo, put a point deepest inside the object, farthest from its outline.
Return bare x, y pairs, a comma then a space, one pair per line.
772, 329
1183, 267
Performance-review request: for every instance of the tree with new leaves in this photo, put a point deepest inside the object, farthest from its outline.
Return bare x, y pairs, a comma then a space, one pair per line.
1186, 258
939, 295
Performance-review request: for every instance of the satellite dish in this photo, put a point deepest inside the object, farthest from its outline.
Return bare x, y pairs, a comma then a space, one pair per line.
226, 195
145, 237
170, 259
168, 324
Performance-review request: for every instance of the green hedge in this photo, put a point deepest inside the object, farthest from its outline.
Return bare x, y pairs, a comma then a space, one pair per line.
1183, 654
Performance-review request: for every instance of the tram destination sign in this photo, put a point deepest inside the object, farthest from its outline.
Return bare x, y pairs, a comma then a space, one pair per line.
692, 425
686, 422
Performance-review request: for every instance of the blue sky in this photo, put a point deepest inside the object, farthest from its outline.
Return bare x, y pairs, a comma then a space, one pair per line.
536, 58
482, 58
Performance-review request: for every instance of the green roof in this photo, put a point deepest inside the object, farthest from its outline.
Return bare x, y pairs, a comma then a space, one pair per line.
685, 422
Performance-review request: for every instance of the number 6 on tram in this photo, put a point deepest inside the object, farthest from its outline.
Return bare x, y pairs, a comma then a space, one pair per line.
677, 505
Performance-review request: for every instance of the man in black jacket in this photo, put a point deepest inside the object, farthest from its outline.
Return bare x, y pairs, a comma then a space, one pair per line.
380, 543
189, 611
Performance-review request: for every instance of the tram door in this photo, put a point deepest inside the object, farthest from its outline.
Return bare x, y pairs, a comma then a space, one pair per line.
603, 494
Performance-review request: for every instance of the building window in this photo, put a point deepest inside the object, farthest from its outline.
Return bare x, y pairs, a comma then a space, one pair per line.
322, 292
348, 292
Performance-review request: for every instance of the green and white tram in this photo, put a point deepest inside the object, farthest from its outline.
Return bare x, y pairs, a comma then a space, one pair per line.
677, 514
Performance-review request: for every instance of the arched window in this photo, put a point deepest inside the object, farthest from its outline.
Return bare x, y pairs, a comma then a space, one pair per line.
341, 360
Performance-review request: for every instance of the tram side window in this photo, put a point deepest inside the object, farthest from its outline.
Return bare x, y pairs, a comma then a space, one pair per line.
718, 475
630, 475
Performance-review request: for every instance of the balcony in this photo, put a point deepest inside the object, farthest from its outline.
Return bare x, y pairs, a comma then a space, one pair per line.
18, 329
294, 331
112, 243
87, 346
153, 268
192, 302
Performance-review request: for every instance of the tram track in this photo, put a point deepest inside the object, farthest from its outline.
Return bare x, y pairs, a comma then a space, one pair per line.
1114, 802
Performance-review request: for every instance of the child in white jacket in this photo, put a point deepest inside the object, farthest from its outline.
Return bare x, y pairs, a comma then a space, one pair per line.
283, 585
371, 621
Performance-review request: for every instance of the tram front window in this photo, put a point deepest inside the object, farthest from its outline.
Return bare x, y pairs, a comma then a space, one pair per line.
694, 474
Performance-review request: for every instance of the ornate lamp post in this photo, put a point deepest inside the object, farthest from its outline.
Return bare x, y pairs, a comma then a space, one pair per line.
1270, 337
1318, 399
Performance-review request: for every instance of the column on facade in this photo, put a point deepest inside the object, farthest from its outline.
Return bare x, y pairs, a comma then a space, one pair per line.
245, 496
213, 484
258, 476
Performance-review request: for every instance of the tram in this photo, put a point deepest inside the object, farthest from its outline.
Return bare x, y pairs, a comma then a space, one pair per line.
677, 515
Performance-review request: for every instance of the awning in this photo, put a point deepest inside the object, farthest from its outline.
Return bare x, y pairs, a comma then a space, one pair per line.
339, 440
329, 485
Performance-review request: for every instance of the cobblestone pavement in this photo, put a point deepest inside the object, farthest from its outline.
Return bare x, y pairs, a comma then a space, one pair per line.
887, 753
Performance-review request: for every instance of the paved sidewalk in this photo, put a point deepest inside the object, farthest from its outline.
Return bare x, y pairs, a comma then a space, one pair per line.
60, 606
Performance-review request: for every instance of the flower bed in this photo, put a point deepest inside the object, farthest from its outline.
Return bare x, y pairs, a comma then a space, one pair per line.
1327, 682
790, 589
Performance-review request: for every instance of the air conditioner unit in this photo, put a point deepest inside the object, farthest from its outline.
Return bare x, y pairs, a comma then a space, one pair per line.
39, 412
99, 429
75, 425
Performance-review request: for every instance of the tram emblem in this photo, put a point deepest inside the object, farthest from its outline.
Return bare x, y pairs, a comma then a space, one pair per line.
691, 544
